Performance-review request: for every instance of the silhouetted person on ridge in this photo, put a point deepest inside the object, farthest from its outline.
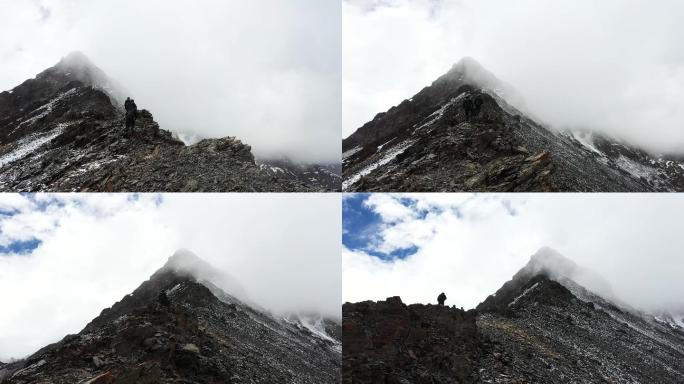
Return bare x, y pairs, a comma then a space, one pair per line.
131, 112
477, 104
468, 107
441, 299
472, 105
164, 299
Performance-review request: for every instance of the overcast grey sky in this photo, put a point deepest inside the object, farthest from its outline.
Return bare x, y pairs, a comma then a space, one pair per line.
284, 250
469, 245
615, 66
266, 71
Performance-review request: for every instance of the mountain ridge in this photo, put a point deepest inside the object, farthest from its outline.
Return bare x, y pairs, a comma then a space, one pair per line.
430, 143
63, 131
541, 326
175, 328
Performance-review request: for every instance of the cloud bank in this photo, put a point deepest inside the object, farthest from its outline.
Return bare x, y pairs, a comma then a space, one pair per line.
469, 245
613, 66
283, 249
266, 71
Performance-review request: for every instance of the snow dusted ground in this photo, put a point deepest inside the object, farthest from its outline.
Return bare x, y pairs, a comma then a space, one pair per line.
586, 140
389, 155
351, 152
45, 109
272, 168
316, 326
528, 290
673, 322
436, 115
30, 144
636, 169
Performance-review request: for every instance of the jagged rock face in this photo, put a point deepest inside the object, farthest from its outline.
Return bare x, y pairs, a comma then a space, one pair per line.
552, 336
546, 327
64, 131
174, 329
389, 342
431, 143
533, 330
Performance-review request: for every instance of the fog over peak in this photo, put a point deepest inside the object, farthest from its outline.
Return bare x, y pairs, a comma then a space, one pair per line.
267, 71
614, 66
623, 247
558, 267
185, 262
279, 252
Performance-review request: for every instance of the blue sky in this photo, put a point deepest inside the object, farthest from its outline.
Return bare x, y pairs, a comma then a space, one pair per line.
19, 247
361, 223
19, 238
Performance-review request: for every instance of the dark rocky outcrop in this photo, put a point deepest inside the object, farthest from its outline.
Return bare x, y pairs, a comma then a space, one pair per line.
179, 328
540, 327
430, 143
64, 131
389, 342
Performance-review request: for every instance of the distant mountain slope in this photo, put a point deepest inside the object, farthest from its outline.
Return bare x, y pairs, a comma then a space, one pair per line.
177, 328
64, 131
540, 327
429, 143
328, 176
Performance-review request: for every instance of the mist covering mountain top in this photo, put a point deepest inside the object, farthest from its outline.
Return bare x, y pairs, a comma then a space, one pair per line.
181, 325
549, 262
203, 69
64, 131
581, 65
542, 326
184, 262
82, 69
470, 71
469, 131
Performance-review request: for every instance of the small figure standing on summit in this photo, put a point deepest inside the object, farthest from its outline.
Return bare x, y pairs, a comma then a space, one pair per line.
131, 112
441, 299
472, 105
163, 298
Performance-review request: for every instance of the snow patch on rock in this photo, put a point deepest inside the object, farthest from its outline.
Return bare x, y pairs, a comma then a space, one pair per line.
30, 144
389, 156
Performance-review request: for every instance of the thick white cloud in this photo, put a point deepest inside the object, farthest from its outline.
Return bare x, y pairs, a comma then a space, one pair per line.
284, 250
266, 71
614, 66
470, 247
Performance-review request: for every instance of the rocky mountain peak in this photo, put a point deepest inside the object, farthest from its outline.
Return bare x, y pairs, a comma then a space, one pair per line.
533, 329
436, 141
471, 71
549, 262
176, 328
76, 66
184, 263
76, 61
549, 265
64, 131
